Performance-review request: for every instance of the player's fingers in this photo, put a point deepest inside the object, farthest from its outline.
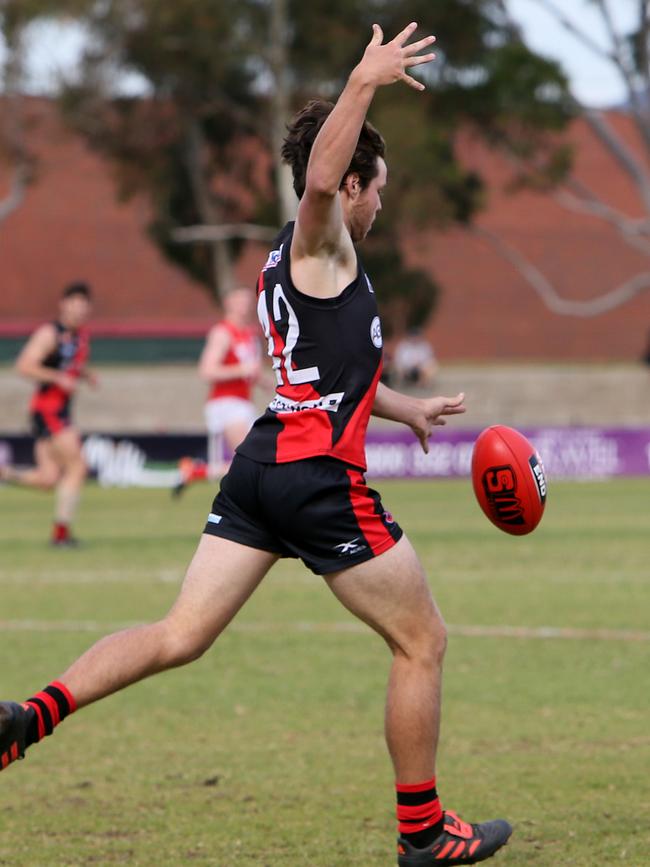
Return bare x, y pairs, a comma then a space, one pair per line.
377, 35
414, 47
401, 37
416, 61
454, 408
412, 82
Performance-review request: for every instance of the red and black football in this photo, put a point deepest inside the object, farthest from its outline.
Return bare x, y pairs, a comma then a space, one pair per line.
509, 480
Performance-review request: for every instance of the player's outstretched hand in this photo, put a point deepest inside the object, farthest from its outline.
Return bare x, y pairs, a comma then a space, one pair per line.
430, 414
387, 63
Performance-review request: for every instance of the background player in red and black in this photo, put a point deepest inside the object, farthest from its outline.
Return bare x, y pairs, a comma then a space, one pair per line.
296, 486
55, 357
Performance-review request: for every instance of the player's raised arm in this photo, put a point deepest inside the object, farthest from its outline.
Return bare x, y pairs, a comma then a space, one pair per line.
320, 229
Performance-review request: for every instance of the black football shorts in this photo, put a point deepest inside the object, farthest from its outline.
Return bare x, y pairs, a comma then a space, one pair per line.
318, 509
47, 424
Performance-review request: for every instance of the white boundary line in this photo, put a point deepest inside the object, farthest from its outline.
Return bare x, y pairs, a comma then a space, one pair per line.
553, 633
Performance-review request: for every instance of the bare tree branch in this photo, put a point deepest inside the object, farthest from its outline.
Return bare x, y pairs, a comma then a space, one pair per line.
16, 193
627, 72
223, 232
631, 231
616, 55
280, 102
549, 294
195, 163
583, 37
620, 151
642, 44
13, 132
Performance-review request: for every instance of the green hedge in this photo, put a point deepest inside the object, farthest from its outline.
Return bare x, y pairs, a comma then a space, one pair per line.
126, 350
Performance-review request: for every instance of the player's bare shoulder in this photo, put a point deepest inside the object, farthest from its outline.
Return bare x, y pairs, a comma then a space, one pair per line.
40, 344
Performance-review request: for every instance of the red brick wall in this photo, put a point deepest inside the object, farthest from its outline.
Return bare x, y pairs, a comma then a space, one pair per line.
489, 311
71, 226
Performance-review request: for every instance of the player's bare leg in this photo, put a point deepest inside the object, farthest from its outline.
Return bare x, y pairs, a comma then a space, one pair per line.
44, 475
220, 578
390, 594
60, 466
67, 450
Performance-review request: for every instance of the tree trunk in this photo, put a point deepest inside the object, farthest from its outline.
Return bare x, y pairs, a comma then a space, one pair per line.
280, 106
13, 133
209, 211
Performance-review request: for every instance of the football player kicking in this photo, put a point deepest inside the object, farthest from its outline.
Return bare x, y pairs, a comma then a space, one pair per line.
296, 486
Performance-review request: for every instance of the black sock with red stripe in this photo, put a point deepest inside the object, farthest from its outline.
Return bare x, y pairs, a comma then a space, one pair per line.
419, 813
51, 706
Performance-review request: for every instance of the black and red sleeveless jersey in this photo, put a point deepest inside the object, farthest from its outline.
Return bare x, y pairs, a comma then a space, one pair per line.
327, 358
69, 356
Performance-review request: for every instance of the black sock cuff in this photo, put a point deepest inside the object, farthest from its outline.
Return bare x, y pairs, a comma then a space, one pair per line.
51, 706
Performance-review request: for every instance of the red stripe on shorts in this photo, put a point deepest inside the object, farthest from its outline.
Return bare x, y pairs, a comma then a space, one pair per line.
370, 522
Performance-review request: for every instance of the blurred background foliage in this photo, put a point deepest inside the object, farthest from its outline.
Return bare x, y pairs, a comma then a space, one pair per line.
219, 79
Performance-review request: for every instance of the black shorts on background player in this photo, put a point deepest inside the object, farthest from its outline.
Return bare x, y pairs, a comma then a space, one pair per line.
318, 509
50, 404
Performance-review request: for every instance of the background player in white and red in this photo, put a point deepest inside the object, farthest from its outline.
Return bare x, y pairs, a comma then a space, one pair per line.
56, 358
296, 486
231, 363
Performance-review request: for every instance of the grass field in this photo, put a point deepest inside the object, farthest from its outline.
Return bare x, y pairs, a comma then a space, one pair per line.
268, 751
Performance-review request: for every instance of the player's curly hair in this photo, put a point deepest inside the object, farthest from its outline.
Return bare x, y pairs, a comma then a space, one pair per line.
302, 132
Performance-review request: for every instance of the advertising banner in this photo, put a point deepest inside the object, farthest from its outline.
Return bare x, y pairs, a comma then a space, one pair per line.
567, 453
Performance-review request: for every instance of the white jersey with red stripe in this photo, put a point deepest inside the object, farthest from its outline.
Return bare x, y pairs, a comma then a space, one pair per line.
327, 358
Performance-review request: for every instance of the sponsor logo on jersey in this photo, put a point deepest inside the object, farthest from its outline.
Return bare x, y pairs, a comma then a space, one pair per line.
500, 485
214, 519
274, 258
375, 333
351, 547
328, 402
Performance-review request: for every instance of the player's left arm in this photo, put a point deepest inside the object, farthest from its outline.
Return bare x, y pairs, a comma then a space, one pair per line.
90, 376
420, 414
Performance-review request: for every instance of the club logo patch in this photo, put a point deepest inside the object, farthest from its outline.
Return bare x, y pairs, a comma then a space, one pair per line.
375, 333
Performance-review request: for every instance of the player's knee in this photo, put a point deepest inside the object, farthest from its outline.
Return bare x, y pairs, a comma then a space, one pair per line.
427, 646
182, 646
78, 468
48, 479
